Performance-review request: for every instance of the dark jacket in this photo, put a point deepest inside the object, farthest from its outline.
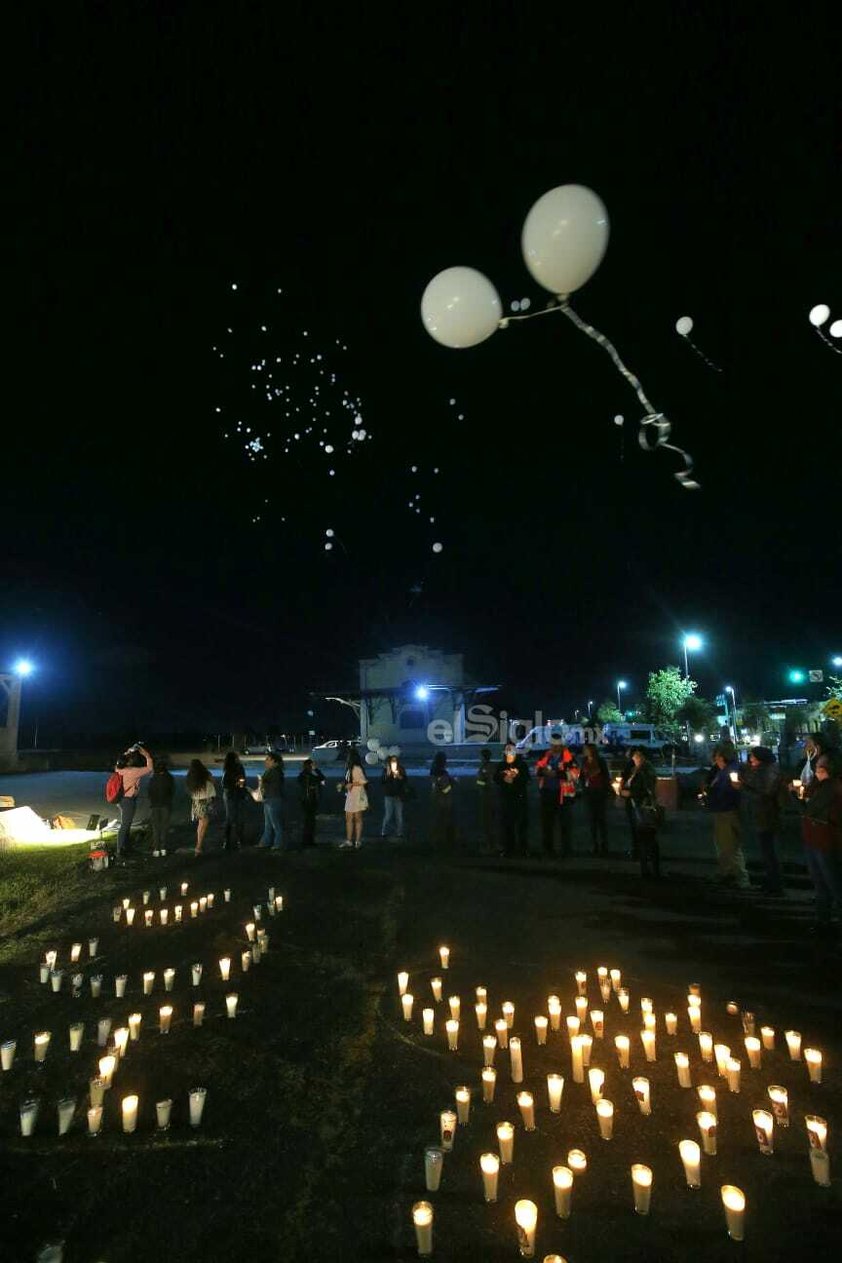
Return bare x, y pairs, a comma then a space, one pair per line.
310, 786
821, 825
161, 789
272, 783
722, 794
642, 784
231, 778
485, 776
515, 787
595, 778
763, 785
394, 786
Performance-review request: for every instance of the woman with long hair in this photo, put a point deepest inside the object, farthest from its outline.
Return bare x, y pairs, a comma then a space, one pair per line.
356, 800
234, 797
442, 785
200, 786
641, 788
595, 781
394, 793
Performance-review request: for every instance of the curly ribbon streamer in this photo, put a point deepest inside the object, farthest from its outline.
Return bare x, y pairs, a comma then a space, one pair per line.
685, 337
827, 340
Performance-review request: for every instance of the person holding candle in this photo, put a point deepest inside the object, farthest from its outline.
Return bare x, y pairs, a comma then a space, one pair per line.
356, 800
595, 782
512, 781
485, 800
310, 782
557, 772
234, 798
723, 802
641, 789
763, 785
442, 786
131, 771
271, 793
200, 786
821, 832
395, 784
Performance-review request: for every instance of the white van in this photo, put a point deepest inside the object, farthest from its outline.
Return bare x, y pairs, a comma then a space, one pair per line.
610, 736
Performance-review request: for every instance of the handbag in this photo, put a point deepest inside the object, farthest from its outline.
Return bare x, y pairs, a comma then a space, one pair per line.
646, 815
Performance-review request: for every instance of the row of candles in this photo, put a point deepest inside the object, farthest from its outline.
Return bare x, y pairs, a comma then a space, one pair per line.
129, 1110
763, 1120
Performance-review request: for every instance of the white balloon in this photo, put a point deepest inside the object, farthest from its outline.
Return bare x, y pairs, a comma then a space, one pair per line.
564, 237
371, 758
394, 752
437, 548
618, 420
835, 329
819, 314
460, 307
684, 325
373, 743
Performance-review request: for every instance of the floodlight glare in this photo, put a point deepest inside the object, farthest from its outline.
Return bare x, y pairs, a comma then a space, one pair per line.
23, 667
422, 693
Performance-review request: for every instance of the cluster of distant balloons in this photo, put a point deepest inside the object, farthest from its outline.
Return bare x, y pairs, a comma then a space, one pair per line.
819, 316
379, 753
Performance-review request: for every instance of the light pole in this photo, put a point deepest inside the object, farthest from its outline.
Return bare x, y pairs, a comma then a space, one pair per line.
621, 684
590, 707
693, 643
729, 688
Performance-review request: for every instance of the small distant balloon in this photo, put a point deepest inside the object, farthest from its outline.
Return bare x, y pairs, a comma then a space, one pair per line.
329, 532
819, 314
684, 325
372, 758
437, 548
836, 329
619, 420
328, 546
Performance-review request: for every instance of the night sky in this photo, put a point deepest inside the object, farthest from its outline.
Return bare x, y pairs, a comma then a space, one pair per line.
163, 580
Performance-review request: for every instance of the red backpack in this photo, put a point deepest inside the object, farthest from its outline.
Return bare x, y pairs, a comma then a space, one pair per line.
114, 788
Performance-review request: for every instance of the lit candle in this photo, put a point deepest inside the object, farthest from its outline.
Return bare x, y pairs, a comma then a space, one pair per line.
554, 1010
75, 952
433, 1163
615, 976
251, 931
671, 1023
753, 1049
555, 1088
93, 946
196, 972
428, 1018
780, 1104
646, 1005
598, 1023
130, 916
814, 1064
581, 982
577, 1162
107, 1066
51, 957
42, 1043
198, 1013
695, 1016
650, 1022
623, 999
577, 1059
581, 1004
169, 979
407, 1002
722, 1055
706, 1045
596, 1080
767, 1034
279, 901
422, 1218
435, 986
103, 1030
526, 1105
403, 982
164, 1018
129, 1105
707, 1099
586, 1042
66, 1110
621, 1043
148, 917
197, 1105
816, 1132
642, 1094
463, 1105
793, 1043
116, 913
682, 1066
447, 1126
28, 1115
573, 1026
820, 1166
134, 1026
764, 1129
502, 1032
481, 1010
732, 1008
194, 910
121, 1040
178, 911
231, 1004
7, 1053
647, 1038
490, 1166
77, 1030
734, 1201
76, 981
516, 1059
526, 1218
605, 991
94, 1120
55, 979
605, 1117
96, 1089
203, 906
245, 961
748, 1022
257, 951
163, 1110
642, 1187
482, 995
733, 1073
563, 1190
444, 956
147, 894
707, 1130
489, 1047
508, 1010
541, 1024
455, 1007
506, 1142
184, 888
44, 972
691, 1158
489, 1080
164, 915
452, 1028
148, 981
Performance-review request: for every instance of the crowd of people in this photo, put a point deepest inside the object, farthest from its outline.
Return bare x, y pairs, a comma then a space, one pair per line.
751, 795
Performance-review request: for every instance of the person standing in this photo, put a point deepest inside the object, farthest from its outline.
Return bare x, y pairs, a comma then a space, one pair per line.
762, 783
356, 800
512, 781
485, 799
625, 776
310, 782
394, 793
821, 832
595, 782
234, 798
723, 802
161, 790
641, 791
272, 796
132, 772
200, 786
556, 771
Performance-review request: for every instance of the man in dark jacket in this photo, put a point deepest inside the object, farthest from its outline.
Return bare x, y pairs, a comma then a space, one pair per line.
821, 830
512, 781
310, 782
272, 794
723, 802
761, 781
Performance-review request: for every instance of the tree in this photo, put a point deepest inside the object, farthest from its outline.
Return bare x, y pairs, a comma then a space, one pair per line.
834, 688
756, 717
666, 692
697, 713
607, 713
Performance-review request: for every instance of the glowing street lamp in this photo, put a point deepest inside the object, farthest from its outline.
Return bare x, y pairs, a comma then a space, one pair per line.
621, 684
836, 660
23, 667
729, 688
422, 693
796, 676
693, 643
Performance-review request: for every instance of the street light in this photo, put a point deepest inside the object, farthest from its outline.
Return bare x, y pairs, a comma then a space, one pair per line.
590, 707
692, 642
796, 676
621, 684
729, 688
23, 667
836, 661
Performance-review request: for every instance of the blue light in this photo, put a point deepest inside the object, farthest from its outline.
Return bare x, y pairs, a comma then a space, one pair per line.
23, 667
422, 693
796, 677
